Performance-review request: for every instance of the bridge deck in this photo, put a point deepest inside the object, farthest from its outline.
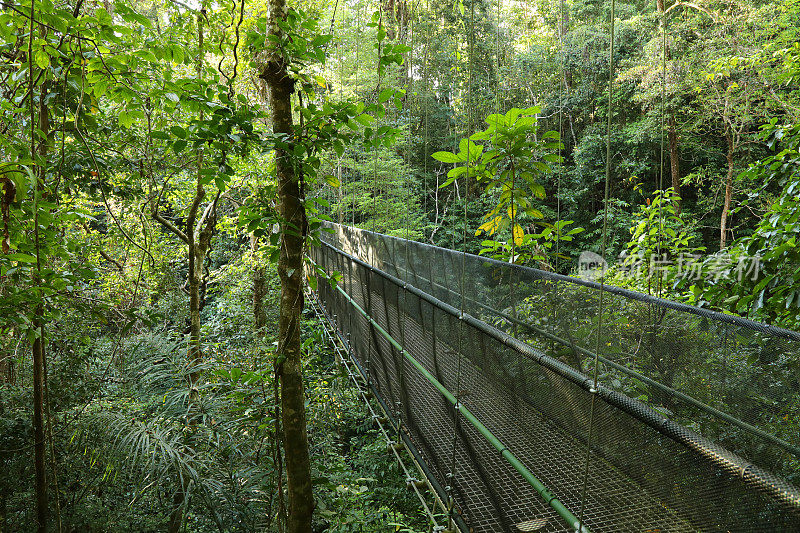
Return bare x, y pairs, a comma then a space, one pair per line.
547, 449
645, 473
490, 494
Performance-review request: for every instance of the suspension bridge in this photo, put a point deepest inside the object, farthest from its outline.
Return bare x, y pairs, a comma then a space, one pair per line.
531, 401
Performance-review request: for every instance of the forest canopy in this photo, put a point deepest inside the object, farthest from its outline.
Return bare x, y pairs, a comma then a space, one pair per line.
166, 166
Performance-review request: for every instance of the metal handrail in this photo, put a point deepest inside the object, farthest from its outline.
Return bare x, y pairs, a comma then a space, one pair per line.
512, 459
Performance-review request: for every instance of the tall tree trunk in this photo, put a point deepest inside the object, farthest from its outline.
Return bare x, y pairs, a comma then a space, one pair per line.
38, 347
38, 424
672, 129
290, 270
196, 257
197, 237
674, 159
723, 222
196, 254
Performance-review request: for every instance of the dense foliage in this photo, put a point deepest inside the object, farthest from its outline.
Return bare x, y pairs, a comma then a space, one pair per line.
140, 226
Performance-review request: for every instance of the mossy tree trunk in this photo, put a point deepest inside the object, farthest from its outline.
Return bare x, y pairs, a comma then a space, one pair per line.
292, 214
38, 345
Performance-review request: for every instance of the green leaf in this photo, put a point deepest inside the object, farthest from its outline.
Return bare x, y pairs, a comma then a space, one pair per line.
364, 119
177, 54
20, 184
125, 119
445, 157
456, 172
385, 95
22, 258
446, 183
42, 59
178, 146
338, 147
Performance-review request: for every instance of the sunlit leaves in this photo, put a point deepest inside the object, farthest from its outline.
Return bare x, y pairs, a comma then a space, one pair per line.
517, 234
42, 59
446, 157
127, 117
491, 226
507, 156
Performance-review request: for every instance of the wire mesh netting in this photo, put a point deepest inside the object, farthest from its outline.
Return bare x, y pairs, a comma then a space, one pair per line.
692, 413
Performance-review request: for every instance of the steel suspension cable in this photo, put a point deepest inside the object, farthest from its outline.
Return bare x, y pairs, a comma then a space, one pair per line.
604, 246
409, 95
462, 279
357, 68
554, 300
340, 195
663, 23
407, 185
375, 143
561, 88
426, 98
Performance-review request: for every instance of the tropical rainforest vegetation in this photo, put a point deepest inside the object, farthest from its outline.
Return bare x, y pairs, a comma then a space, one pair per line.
164, 166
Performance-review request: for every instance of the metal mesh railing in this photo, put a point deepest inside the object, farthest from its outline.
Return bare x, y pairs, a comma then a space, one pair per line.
690, 454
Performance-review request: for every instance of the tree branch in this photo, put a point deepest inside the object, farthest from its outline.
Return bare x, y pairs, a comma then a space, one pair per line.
170, 226
103, 254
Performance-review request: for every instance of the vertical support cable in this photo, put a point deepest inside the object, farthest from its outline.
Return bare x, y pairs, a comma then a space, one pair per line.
358, 64
593, 390
427, 97
375, 143
340, 205
663, 25
561, 90
462, 279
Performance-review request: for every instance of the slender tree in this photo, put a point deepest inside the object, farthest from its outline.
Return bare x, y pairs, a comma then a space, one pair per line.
198, 230
291, 211
38, 347
259, 286
672, 126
